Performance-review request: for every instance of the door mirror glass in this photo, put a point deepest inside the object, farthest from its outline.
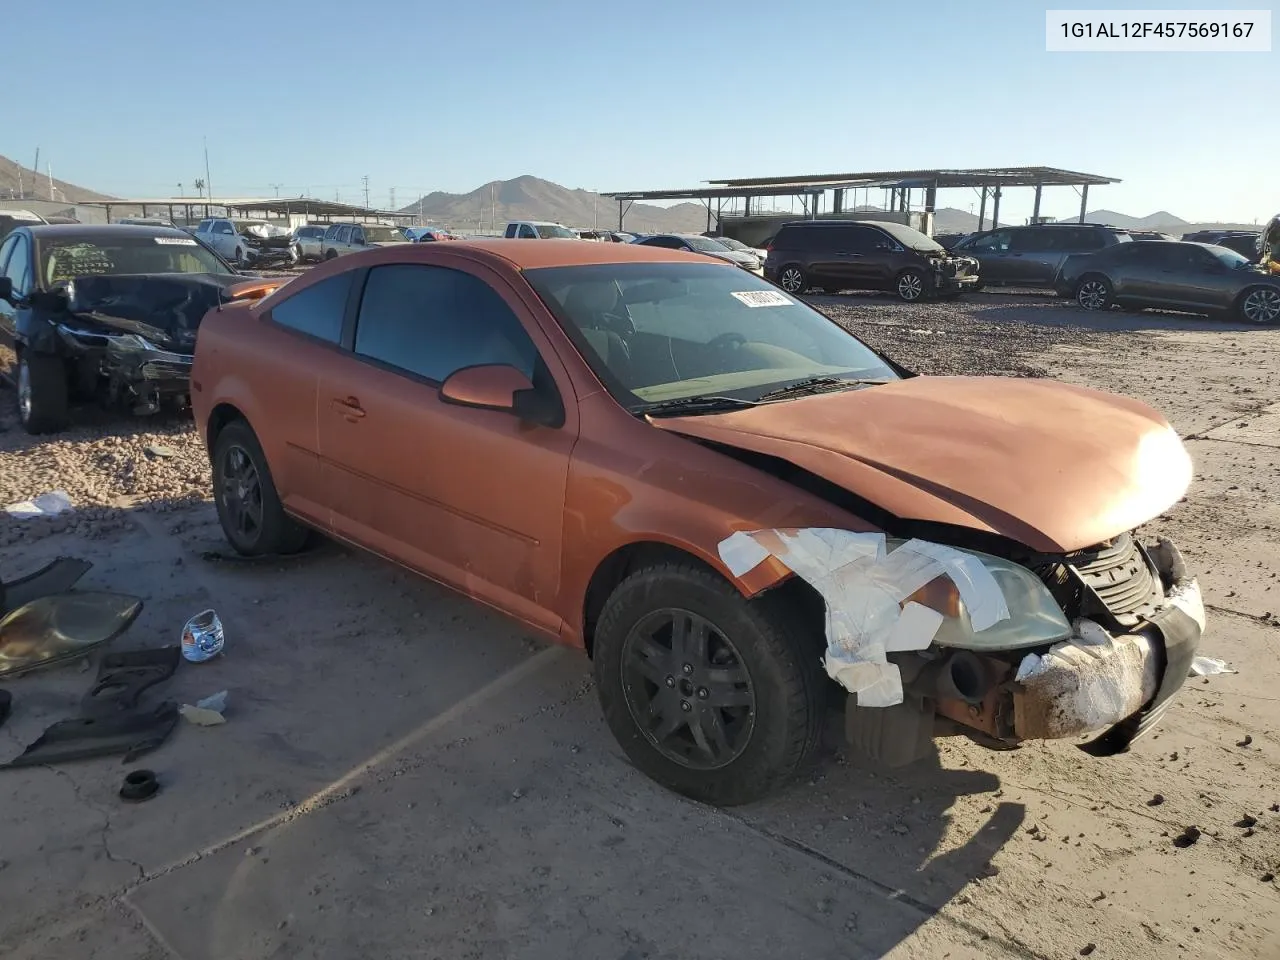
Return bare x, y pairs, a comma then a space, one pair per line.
492, 386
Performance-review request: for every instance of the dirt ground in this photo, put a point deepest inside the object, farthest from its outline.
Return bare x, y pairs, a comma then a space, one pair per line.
403, 774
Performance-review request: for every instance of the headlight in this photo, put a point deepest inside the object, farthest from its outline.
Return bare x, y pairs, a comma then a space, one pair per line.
1034, 620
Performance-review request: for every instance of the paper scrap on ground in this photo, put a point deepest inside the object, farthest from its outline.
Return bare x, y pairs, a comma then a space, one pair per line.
207, 712
863, 585
46, 505
1209, 667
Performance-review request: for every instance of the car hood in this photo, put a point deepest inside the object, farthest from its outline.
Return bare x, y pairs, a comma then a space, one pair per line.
164, 308
1052, 466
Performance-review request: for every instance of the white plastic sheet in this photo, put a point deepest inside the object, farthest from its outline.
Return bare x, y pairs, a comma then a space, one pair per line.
46, 505
863, 585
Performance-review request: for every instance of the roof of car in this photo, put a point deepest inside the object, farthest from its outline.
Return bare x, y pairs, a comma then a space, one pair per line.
572, 253
101, 231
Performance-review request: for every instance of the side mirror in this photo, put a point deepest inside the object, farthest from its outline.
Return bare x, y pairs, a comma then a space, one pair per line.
6, 290
491, 386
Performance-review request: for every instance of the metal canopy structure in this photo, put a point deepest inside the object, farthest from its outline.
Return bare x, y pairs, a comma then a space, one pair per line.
245, 206
990, 181
808, 194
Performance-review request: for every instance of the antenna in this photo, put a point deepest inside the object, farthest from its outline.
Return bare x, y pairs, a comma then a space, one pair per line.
276, 187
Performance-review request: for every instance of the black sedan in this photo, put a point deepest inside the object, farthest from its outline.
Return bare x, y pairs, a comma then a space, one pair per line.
1195, 277
103, 312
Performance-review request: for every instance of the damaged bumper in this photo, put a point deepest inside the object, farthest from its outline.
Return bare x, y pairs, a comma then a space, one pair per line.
931, 639
135, 369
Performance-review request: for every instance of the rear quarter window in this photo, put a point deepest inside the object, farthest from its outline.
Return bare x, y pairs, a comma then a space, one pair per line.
318, 310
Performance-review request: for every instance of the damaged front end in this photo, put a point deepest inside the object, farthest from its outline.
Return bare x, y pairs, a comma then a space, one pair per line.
131, 339
936, 640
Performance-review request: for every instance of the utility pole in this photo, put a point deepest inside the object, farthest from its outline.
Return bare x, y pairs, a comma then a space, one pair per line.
49, 169
35, 176
276, 187
391, 203
180, 190
365, 181
208, 180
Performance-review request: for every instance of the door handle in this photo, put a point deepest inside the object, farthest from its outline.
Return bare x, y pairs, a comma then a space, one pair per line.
349, 407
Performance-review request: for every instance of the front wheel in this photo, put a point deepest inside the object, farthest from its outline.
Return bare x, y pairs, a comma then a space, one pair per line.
43, 393
792, 279
1094, 293
249, 509
711, 695
1261, 305
911, 285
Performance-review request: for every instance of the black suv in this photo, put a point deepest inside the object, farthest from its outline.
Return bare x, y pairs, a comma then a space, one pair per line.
865, 255
1032, 256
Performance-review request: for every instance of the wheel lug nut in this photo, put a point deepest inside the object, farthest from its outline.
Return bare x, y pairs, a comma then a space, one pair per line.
702, 693
686, 706
671, 681
688, 668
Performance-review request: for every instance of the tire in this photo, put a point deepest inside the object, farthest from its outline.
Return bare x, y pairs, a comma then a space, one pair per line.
911, 285
331, 255
792, 279
240, 262
1260, 305
773, 692
1094, 292
249, 509
43, 393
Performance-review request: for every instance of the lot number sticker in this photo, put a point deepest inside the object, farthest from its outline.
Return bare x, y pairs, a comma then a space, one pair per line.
764, 298
176, 241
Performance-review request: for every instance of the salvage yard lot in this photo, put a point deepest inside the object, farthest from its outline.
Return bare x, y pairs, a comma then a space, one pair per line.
405, 774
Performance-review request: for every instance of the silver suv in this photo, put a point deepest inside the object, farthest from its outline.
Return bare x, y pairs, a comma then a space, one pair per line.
343, 238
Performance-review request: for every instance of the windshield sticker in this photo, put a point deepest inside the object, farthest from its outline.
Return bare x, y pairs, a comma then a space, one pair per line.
176, 241
763, 298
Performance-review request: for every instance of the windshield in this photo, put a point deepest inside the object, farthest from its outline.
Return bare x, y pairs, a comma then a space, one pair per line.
669, 331
732, 244
553, 231
378, 234
1228, 256
705, 245
908, 237
68, 258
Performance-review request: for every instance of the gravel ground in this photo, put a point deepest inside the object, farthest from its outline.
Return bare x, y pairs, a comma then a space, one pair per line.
1168, 850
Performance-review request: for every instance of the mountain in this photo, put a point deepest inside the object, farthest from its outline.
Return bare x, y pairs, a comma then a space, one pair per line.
17, 181
1161, 220
490, 206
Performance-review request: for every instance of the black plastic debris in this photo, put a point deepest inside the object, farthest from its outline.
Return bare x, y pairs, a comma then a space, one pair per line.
123, 676
6, 706
81, 738
59, 576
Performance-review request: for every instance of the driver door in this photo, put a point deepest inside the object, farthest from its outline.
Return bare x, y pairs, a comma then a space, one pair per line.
473, 498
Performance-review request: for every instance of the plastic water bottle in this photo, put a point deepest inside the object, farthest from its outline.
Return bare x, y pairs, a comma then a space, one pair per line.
202, 637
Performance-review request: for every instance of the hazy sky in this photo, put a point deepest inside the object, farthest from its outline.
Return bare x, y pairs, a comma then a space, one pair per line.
421, 95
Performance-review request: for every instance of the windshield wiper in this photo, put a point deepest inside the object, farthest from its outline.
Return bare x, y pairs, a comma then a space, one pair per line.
815, 385
705, 403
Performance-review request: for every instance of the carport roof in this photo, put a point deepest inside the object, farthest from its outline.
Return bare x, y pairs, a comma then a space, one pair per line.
278, 205
718, 193
976, 177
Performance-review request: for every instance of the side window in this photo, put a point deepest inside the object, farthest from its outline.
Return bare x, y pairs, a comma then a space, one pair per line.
511, 230
204, 226
318, 310
331, 233
670, 243
18, 269
1147, 254
858, 239
1084, 239
431, 321
343, 235
357, 235
224, 226
997, 242
1035, 239
527, 232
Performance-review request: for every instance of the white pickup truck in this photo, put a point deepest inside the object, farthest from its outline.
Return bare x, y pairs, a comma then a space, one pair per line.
539, 230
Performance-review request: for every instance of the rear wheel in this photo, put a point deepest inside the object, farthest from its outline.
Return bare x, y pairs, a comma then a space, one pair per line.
792, 279
331, 254
1094, 292
714, 696
43, 394
1261, 305
249, 509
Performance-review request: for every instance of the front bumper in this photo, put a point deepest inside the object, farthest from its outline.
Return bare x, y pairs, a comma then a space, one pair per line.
1112, 684
946, 284
263, 255
136, 372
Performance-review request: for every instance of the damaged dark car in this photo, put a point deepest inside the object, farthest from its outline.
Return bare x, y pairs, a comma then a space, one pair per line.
103, 313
